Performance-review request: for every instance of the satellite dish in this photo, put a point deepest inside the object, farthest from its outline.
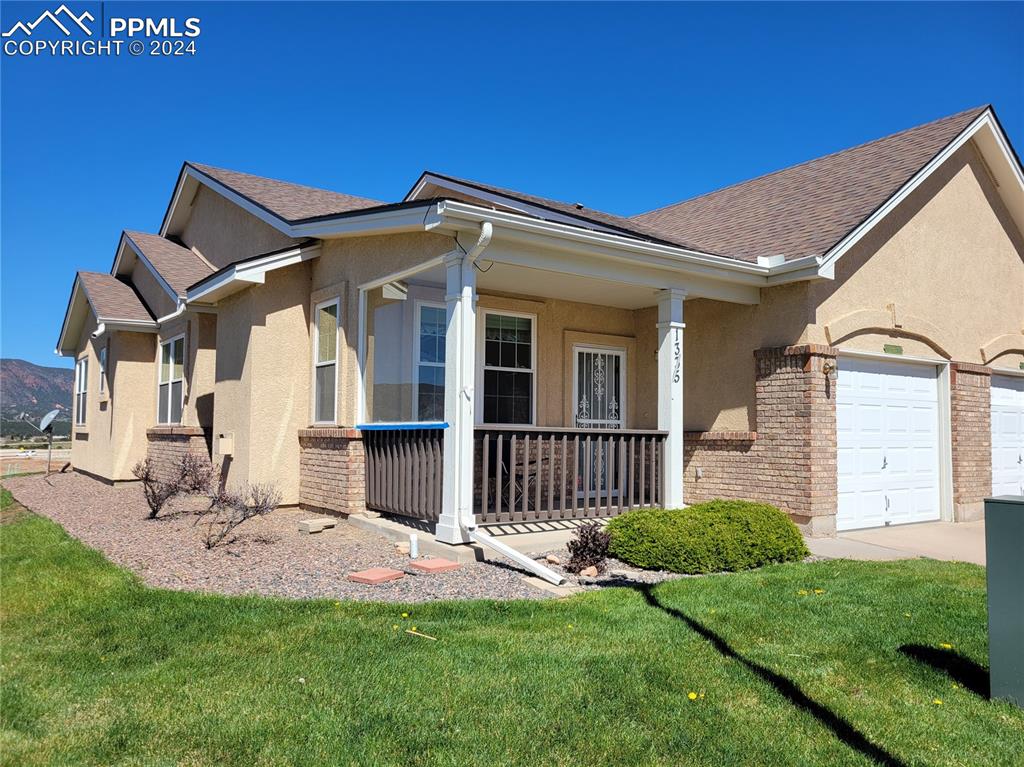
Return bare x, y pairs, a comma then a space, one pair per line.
48, 420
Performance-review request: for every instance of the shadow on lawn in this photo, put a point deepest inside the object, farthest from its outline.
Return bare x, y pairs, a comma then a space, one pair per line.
957, 666
841, 728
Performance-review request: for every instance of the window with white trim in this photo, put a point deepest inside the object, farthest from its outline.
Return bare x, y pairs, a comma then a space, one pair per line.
103, 369
81, 387
431, 324
171, 389
508, 368
325, 361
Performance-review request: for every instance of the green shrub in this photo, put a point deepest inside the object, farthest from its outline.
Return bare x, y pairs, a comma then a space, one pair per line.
709, 537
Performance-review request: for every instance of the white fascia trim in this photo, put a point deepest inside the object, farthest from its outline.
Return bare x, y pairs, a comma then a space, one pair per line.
139, 326
506, 202
387, 221
986, 119
655, 254
59, 350
253, 272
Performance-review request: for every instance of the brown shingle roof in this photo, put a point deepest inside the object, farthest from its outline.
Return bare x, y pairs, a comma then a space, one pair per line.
113, 299
807, 209
583, 214
291, 202
179, 266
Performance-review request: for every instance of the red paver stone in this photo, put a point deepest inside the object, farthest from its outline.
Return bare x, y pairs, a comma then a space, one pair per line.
437, 565
376, 575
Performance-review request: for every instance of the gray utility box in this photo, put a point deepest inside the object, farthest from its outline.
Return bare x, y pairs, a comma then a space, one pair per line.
1004, 555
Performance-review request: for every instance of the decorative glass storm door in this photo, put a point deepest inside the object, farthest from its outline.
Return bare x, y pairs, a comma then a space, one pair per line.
599, 388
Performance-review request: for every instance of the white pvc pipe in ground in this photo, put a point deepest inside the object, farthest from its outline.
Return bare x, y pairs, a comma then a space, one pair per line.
532, 565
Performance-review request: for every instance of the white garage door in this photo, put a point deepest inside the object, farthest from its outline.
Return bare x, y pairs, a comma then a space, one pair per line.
887, 422
1007, 435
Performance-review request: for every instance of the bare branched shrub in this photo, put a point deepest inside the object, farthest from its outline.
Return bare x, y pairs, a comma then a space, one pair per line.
192, 475
231, 508
197, 475
157, 492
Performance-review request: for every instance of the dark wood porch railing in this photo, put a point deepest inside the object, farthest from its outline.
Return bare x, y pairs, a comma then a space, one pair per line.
527, 474
522, 473
404, 470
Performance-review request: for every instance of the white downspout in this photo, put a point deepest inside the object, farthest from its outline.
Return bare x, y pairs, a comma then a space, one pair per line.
100, 330
176, 313
486, 231
468, 520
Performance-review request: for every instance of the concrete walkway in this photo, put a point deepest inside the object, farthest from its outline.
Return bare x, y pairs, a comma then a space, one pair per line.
960, 542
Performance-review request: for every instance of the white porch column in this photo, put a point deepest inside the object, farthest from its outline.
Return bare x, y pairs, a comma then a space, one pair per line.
459, 371
670, 390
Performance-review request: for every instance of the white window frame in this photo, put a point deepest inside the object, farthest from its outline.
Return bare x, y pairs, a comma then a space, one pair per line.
481, 366
171, 380
335, 301
81, 389
416, 362
102, 357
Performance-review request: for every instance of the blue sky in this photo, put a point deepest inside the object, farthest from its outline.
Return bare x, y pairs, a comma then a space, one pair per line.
621, 107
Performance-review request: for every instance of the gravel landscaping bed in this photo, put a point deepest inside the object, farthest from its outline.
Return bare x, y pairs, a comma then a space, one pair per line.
616, 572
268, 556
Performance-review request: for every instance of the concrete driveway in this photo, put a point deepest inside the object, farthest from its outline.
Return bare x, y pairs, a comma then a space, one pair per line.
959, 542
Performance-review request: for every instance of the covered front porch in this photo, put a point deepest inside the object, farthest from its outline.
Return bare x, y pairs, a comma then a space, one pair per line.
500, 384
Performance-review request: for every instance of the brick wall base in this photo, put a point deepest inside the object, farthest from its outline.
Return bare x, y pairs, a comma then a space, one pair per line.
790, 461
167, 444
332, 471
970, 388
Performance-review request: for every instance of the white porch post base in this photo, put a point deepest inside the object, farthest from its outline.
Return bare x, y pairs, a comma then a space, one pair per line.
670, 391
459, 366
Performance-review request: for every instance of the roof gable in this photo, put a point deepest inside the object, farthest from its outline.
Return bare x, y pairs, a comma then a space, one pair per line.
177, 266
807, 209
431, 184
111, 300
281, 204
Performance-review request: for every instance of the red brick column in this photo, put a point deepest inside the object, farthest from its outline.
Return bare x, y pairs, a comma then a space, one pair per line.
970, 388
332, 470
167, 444
790, 461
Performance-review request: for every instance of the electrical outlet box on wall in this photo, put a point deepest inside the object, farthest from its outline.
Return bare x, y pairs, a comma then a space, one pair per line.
226, 443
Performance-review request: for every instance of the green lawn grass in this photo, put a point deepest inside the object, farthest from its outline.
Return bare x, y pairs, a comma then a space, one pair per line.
98, 669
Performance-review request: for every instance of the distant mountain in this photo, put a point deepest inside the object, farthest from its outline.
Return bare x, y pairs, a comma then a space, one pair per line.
34, 390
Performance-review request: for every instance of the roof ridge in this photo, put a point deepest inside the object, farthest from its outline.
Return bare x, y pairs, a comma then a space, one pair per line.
202, 168
979, 110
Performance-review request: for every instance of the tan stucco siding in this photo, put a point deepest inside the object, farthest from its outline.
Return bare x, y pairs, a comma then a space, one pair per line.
113, 438
346, 264
224, 233
562, 324
948, 265
200, 334
263, 379
156, 297
718, 353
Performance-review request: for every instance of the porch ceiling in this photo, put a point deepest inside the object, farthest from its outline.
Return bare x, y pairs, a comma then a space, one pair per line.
509, 278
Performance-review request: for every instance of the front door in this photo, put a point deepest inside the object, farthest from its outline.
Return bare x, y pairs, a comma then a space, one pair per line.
599, 392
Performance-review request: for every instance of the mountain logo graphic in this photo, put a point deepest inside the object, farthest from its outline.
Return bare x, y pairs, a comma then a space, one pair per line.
63, 12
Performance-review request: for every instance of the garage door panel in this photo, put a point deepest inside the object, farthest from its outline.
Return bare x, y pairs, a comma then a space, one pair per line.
897, 421
1007, 435
925, 462
888, 443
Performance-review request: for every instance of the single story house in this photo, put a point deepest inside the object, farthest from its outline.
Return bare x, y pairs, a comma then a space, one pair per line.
843, 338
